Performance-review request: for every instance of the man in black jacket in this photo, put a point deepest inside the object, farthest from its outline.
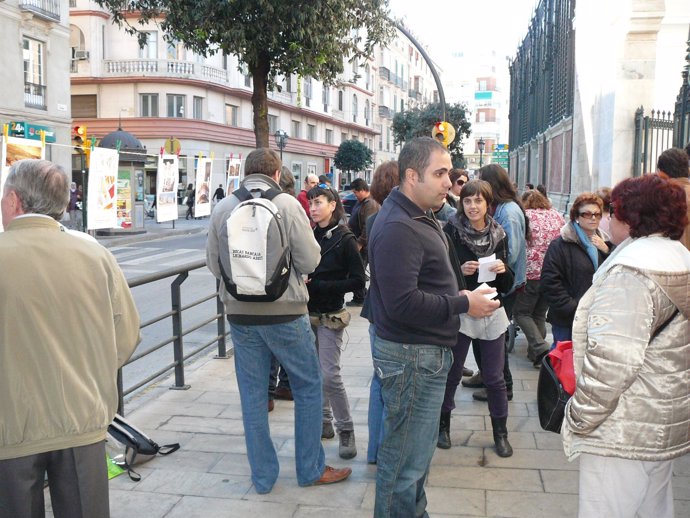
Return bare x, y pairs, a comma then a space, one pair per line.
415, 304
366, 206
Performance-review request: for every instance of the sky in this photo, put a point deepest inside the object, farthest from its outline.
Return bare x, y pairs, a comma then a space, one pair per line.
456, 24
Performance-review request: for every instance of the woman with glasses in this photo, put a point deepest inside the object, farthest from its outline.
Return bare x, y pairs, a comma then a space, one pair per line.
339, 272
571, 261
458, 178
628, 418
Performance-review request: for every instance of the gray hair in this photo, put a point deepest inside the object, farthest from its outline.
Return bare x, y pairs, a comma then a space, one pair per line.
416, 155
42, 187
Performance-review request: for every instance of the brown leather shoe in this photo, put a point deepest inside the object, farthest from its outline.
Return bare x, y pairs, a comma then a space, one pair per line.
333, 475
271, 405
283, 393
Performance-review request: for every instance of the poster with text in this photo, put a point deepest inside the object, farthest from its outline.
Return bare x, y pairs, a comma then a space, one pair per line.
13, 149
166, 188
232, 171
124, 199
101, 192
202, 202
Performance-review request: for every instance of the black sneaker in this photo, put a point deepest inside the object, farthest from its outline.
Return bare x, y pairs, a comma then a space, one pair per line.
327, 431
347, 448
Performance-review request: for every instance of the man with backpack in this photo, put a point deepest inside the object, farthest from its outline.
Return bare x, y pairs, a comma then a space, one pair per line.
261, 246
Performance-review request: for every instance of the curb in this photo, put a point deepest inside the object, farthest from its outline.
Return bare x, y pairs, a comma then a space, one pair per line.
111, 241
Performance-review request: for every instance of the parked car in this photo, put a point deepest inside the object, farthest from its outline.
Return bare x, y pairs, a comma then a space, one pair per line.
348, 199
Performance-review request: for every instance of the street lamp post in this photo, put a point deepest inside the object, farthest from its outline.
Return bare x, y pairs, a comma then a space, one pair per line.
281, 141
480, 146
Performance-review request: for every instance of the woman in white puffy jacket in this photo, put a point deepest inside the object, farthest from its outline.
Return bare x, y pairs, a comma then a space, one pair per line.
630, 414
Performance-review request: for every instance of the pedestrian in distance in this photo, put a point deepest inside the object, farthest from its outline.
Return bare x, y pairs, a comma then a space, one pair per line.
340, 271
673, 164
415, 304
68, 322
190, 195
219, 193
628, 418
279, 327
363, 210
310, 181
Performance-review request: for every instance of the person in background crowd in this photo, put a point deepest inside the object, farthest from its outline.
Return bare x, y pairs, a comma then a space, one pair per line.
545, 225
415, 304
507, 210
605, 194
570, 263
673, 164
474, 235
219, 193
385, 178
365, 207
287, 181
324, 180
340, 271
458, 178
310, 182
628, 418
529, 186
282, 328
542, 191
73, 207
444, 213
64, 334
190, 194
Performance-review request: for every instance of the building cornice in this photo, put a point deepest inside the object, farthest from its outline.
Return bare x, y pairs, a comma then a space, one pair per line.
74, 13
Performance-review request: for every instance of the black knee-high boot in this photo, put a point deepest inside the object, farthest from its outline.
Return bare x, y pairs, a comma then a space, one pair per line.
503, 447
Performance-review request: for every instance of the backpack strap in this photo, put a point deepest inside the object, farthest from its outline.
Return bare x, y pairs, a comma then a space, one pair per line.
169, 448
242, 194
271, 193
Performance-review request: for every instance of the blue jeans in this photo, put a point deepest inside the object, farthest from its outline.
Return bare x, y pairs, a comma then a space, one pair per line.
560, 334
413, 381
292, 343
376, 408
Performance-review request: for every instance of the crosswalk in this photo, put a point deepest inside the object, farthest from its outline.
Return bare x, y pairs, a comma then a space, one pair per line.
148, 259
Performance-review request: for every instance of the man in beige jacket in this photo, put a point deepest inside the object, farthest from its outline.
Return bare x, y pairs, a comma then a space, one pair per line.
67, 323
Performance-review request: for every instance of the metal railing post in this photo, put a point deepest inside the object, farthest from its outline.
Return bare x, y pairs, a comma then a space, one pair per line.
178, 349
120, 394
220, 310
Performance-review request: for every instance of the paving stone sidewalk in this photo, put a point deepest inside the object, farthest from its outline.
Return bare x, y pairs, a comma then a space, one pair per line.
209, 476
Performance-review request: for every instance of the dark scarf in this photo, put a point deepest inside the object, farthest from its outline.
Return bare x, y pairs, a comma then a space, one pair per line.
483, 242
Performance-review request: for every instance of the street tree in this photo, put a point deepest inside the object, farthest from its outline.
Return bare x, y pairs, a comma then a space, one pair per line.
270, 37
419, 122
352, 155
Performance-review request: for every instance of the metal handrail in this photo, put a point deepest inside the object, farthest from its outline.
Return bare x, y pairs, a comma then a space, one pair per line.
180, 274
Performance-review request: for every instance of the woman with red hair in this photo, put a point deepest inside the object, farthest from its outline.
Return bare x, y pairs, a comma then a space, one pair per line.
628, 418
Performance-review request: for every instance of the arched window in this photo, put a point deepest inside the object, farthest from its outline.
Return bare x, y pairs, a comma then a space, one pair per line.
340, 100
366, 112
354, 108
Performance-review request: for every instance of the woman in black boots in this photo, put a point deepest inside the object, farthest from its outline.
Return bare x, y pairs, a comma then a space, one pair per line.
473, 234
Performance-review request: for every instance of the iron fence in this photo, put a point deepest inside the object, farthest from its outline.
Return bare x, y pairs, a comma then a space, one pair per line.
176, 339
681, 115
653, 134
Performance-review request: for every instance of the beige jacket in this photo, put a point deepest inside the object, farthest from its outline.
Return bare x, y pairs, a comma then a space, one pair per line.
633, 392
685, 184
67, 323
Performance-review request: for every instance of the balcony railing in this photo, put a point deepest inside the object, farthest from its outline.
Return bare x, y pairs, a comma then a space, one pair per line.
46, 9
385, 112
165, 68
35, 96
416, 95
384, 73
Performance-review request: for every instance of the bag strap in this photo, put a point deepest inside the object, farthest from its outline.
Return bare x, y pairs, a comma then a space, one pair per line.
242, 194
170, 448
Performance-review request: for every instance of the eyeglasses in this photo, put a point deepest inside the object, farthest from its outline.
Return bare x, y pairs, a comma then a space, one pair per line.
589, 215
460, 182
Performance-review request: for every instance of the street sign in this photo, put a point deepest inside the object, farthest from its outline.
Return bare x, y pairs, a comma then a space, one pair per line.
25, 130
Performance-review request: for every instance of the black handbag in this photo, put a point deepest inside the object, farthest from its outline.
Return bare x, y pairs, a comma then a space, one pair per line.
551, 398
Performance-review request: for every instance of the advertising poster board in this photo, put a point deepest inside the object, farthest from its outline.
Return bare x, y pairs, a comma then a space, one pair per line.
233, 175
202, 203
13, 149
101, 193
124, 199
166, 188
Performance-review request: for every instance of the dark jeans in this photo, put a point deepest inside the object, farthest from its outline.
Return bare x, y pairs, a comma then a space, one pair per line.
508, 304
493, 352
277, 378
560, 334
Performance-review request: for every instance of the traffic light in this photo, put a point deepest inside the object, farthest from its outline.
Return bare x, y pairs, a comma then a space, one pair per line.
79, 137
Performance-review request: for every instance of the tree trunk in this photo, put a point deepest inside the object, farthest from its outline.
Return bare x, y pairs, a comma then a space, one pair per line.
260, 99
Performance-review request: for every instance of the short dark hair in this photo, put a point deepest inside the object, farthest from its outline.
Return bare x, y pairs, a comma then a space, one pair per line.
585, 198
385, 178
542, 190
330, 195
262, 161
324, 179
416, 155
529, 186
359, 184
674, 163
456, 173
650, 205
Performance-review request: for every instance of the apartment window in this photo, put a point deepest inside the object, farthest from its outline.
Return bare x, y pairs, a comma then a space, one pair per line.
288, 83
247, 76
174, 50
34, 73
150, 48
231, 116
481, 117
307, 91
296, 129
367, 71
326, 97
272, 124
225, 62
354, 108
148, 105
311, 132
343, 137
402, 105
388, 139
84, 106
329, 136
198, 108
366, 112
176, 106
481, 85
340, 100
380, 143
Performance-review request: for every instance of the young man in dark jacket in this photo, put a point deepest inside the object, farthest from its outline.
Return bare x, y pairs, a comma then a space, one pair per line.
366, 206
415, 304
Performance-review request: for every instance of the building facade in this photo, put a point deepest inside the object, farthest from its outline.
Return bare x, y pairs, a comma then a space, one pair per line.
35, 89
